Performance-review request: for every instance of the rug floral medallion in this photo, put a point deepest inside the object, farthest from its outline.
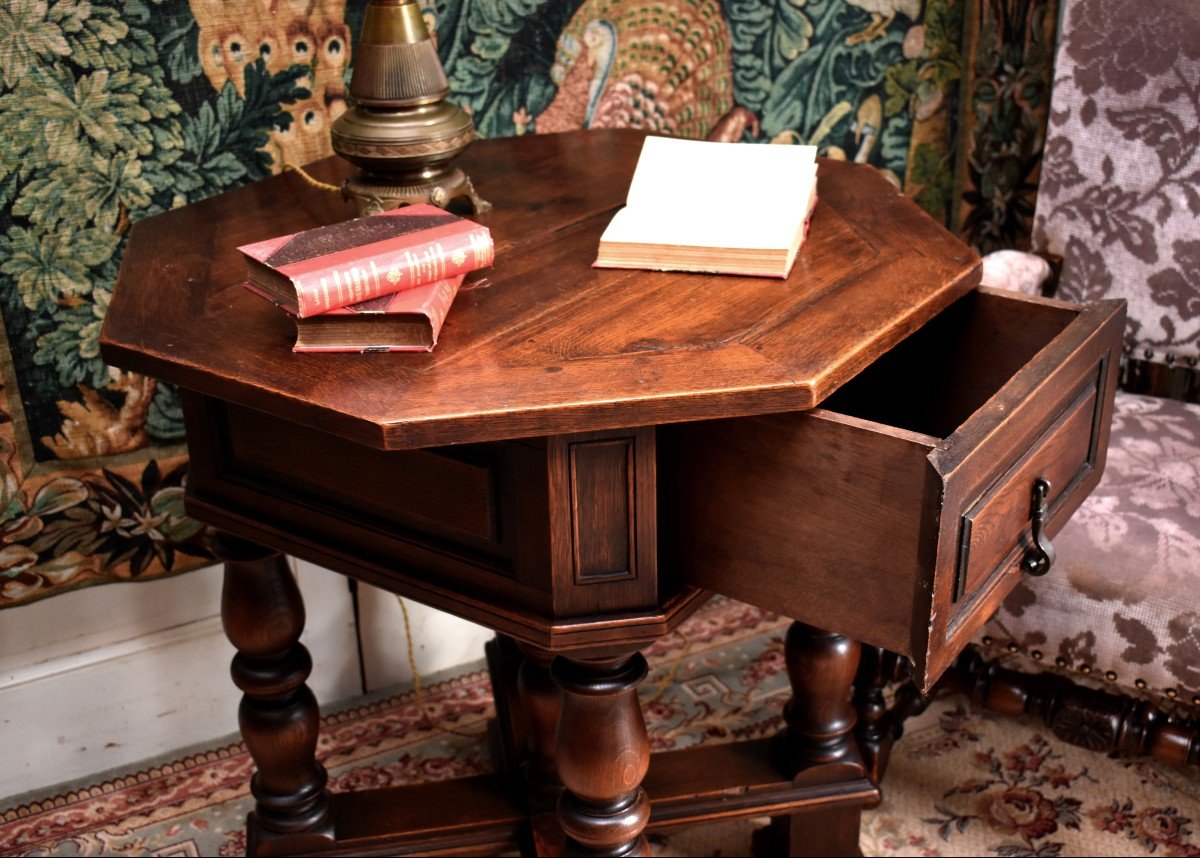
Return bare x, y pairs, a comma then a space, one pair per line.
961, 782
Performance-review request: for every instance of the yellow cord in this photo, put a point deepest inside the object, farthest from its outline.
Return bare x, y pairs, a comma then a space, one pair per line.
316, 183
418, 688
412, 658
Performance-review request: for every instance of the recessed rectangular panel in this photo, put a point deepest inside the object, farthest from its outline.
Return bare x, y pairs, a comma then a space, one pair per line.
453, 491
602, 506
999, 523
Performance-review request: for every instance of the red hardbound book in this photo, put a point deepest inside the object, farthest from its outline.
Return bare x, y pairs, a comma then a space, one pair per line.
406, 321
357, 260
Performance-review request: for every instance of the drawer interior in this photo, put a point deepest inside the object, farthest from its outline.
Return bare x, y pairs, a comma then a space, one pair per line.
942, 374
897, 512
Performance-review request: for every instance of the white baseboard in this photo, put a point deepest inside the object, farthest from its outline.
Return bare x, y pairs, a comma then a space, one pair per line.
110, 676
81, 621
440, 640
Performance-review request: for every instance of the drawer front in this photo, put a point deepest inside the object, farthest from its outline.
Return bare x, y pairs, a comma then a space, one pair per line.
456, 493
1050, 421
996, 530
469, 518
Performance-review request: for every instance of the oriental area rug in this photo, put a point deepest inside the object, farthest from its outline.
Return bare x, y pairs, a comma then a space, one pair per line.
961, 782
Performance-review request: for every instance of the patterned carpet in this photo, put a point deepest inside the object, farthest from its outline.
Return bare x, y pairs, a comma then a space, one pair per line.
962, 782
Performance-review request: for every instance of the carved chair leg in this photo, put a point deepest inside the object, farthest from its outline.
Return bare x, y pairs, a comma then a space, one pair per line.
818, 744
602, 753
1087, 717
263, 616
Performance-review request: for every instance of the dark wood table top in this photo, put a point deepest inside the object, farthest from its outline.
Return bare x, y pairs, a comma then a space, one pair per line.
545, 343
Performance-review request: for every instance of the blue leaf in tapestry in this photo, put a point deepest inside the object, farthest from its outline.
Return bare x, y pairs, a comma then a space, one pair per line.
497, 56
767, 37
813, 72
829, 94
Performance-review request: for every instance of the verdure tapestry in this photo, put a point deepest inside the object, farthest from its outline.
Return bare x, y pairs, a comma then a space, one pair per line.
1005, 104
114, 110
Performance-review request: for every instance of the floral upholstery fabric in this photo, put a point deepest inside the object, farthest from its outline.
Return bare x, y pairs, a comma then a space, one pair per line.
1119, 197
1124, 596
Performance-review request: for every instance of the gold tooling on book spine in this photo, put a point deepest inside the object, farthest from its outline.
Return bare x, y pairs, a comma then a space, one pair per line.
427, 265
412, 266
479, 247
337, 283
441, 261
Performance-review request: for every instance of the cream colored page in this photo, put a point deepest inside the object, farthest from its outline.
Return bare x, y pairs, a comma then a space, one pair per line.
767, 220
699, 171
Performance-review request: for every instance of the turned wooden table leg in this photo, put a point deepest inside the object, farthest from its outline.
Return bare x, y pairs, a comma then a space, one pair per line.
820, 716
263, 616
873, 730
603, 753
508, 731
817, 745
541, 702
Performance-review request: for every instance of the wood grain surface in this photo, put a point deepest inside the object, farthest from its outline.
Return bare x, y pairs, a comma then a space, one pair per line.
856, 517
542, 343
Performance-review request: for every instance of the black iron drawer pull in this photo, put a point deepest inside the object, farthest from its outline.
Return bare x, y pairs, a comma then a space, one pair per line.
1039, 557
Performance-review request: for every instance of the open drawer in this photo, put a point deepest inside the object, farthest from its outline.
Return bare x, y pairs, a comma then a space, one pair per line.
900, 511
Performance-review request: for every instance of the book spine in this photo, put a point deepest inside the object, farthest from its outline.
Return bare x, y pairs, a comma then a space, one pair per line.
393, 271
361, 350
439, 305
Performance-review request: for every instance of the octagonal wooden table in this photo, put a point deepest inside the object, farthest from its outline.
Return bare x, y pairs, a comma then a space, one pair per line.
512, 477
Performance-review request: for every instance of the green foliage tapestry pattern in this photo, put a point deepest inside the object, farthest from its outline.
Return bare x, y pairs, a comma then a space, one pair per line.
1005, 109
115, 110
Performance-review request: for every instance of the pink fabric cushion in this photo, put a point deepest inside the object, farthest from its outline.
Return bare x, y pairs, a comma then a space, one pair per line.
1124, 595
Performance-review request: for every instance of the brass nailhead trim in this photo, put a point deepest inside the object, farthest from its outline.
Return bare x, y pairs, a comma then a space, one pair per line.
1060, 661
1172, 693
1085, 668
987, 640
1111, 676
1037, 655
1139, 683
1012, 647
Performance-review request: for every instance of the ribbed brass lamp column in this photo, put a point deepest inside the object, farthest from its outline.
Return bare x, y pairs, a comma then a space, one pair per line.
399, 129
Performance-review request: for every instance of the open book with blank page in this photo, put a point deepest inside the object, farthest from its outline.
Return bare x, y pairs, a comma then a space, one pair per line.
727, 208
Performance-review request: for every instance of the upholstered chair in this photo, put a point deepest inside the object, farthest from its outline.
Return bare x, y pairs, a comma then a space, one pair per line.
1106, 647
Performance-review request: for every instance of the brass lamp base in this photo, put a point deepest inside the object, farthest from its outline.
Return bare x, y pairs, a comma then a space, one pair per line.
400, 131
374, 194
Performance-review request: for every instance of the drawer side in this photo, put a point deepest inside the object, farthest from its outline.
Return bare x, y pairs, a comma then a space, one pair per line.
816, 516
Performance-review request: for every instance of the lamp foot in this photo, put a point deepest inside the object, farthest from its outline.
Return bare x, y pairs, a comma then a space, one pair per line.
373, 194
